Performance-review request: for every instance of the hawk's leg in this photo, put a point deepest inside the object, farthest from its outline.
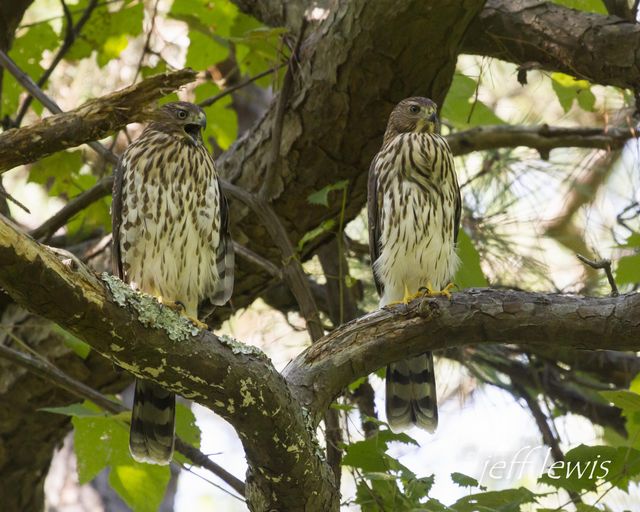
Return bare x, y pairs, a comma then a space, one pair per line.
423, 292
428, 291
179, 308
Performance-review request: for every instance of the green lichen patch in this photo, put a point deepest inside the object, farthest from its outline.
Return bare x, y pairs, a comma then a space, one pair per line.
149, 311
241, 348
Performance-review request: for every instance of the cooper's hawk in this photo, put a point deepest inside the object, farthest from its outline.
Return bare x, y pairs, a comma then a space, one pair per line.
414, 215
170, 240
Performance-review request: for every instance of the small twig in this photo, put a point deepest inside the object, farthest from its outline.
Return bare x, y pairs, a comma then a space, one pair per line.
210, 101
257, 260
72, 33
268, 189
100, 117
35, 91
46, 230
602, 265
146, 47
293, 273
9, 197
53, 374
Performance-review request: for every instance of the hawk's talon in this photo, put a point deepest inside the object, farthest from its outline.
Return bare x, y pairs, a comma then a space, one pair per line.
428, 291
198, 323
176, 306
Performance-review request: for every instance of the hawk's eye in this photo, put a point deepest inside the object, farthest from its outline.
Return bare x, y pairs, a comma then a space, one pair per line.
414, 109
182, 114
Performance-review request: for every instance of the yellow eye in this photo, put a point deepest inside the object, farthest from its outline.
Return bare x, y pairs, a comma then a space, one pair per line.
182, 114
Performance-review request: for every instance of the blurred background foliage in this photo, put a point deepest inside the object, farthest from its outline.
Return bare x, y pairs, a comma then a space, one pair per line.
526, 216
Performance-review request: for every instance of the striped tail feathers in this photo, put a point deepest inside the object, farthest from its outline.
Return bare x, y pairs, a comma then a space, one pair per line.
152, 423
411, 394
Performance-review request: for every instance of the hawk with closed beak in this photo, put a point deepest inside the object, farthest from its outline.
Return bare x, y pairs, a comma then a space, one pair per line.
414, 216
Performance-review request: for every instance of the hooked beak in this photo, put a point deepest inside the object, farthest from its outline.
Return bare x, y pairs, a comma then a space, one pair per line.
194, 130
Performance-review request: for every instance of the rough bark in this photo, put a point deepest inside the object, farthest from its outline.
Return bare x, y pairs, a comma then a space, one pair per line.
239, 383
544, 35
236, 381
92, 121
473, 317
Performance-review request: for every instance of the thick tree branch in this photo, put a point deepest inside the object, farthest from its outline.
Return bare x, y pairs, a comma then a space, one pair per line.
475, 316
90, 122
50, 373
236, 381
545, 35
543, 138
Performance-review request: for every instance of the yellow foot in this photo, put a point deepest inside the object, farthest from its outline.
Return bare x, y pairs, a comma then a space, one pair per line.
179, 308
428, 291
197, 323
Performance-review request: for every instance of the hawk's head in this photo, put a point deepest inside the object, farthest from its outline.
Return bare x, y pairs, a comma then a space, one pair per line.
416, 114
182, 119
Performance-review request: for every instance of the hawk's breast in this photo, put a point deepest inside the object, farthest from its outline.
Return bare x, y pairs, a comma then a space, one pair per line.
170, 219
416, 193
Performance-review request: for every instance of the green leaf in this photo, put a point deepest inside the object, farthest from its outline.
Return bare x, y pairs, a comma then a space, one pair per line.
204, 51
568, 89
79, 410
222, 120
469, 272
99, 442
464, 480
323, 228
508, 500
584, 466
462, 109
27, 53
418, 488
628, 270
357, 383
57, 171
596, 6
628, 401
106, 31
217, 16
141, 486
71, 341
369, 455
632, 242
257, 48
187, 429
321, 196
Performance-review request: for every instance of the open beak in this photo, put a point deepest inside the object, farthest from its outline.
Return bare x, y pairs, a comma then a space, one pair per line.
194, 130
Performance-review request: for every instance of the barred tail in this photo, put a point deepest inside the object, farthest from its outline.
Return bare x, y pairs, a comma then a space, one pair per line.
152, 423
411, 394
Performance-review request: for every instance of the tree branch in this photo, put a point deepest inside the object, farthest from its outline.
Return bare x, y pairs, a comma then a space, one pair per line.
601, 49
73, 31
50, 373
92, 121
472, 317
153, 342
543, 138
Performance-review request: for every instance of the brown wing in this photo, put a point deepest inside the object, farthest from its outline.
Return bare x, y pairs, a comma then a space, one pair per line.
374, 220
116, 221
457, 200
225, 256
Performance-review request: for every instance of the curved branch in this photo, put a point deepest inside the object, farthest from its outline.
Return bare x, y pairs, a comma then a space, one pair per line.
474, 316
236, 381
91, 121
545, 35
543, 138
